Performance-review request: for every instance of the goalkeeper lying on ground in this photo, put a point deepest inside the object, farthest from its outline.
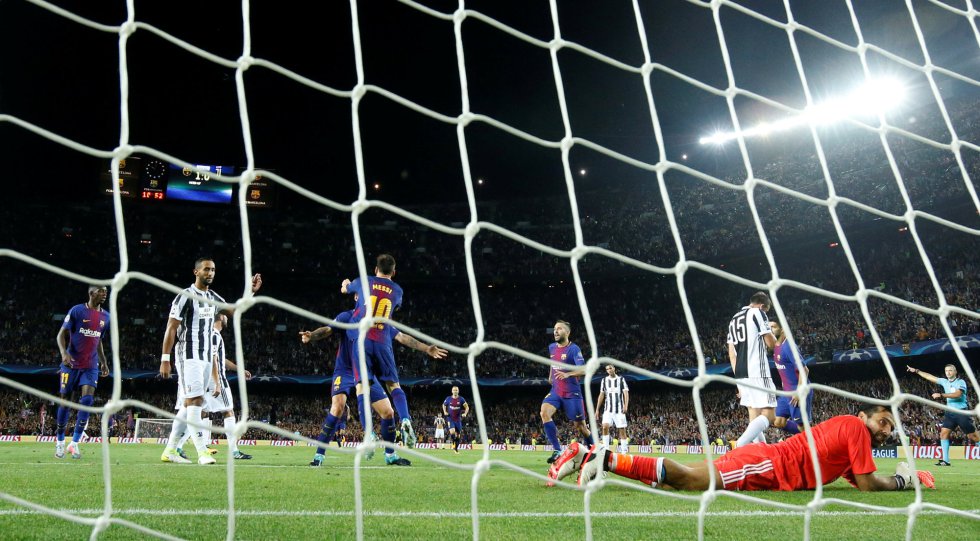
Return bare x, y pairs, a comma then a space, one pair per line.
843, 449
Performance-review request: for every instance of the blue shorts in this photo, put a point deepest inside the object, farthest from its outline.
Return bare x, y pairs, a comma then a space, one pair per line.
793, 413
953, 420
70, 379
456, 425
343, 381
574, 407
380, 361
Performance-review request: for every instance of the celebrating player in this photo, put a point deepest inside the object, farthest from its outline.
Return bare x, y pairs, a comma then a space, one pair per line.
80, 343
788, 414
955, 394
455, 408
566, 391
345, 378
843, 449
385, 296
615, 394
190, 327
748, 337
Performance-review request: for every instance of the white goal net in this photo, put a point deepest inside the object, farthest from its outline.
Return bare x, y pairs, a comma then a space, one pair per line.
673, 238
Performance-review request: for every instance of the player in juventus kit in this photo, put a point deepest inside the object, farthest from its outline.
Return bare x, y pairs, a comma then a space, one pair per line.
189, 335
615, 394
749, 337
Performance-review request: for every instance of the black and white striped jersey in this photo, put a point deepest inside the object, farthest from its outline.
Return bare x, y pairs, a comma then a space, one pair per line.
196, 316
614, 388
746, 332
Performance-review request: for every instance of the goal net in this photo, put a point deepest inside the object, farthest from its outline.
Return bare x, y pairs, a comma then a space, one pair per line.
723, 210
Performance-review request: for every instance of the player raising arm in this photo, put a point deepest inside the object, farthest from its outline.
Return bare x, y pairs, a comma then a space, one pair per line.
954, 391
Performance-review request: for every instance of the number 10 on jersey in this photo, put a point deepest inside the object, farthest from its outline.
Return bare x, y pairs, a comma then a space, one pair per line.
380, 308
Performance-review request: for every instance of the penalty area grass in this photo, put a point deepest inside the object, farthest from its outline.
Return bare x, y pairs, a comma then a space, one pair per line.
278, 496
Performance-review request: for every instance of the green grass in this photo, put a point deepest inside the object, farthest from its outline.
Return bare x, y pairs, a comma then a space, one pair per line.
279, 497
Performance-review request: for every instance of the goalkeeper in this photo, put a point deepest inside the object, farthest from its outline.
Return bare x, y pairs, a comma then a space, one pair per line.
843, 448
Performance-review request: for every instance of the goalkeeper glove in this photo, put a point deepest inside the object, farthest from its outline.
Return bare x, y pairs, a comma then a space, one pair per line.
903, 477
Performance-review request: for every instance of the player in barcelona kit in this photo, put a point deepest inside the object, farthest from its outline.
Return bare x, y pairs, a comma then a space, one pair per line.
954, 391
843, 446
566, 391
384, 298
82, 362
455, 408
789, 415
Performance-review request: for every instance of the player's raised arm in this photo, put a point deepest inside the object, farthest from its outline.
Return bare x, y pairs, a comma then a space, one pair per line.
315, 335
169, 337
431, 350
230, 365
924, 375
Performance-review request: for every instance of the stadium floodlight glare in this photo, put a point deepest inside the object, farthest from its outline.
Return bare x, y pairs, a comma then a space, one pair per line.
874, 97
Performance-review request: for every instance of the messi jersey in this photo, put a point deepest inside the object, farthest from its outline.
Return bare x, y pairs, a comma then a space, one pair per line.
86, 327
385, 298
569, 354
455, 407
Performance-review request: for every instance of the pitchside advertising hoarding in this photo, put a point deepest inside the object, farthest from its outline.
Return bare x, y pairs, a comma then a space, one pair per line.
925, 452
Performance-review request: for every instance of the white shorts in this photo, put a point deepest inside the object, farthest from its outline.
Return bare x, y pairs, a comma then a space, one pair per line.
619, 419
440, 434
754, 398
221, 403
193, 377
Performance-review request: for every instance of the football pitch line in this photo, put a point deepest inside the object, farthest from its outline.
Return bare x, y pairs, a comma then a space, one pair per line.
450, 514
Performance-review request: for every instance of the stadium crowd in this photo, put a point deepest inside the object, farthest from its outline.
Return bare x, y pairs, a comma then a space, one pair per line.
657, 415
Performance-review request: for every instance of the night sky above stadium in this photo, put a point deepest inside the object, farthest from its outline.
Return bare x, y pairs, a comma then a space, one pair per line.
64, 77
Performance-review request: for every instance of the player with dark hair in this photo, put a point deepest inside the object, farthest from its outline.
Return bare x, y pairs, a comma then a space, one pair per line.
748, 337
189, 335
843, 449
789, 415
566, 391
384, 298
345, 378
954, 391
83, 361
455, 408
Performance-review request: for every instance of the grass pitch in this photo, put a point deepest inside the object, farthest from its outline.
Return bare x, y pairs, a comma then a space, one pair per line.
277, 496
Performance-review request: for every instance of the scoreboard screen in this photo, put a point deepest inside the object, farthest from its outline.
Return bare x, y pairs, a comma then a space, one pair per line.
197, 183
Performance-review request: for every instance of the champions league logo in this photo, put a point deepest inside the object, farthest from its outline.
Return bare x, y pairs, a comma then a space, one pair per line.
857, 355
965, 342
680, 373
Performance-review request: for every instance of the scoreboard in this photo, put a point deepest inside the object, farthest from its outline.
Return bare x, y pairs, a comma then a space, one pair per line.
150, 179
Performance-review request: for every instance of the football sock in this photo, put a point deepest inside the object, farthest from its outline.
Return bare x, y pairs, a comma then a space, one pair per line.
756, 427
648, 470
388, 433
551, 432
792, 427
943, 443
326, 433
197, 435
82, 418
64, 412
625, 445
589, 440
184, 436
232, 440
400, 402
360, 407
605, 440
178, 428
